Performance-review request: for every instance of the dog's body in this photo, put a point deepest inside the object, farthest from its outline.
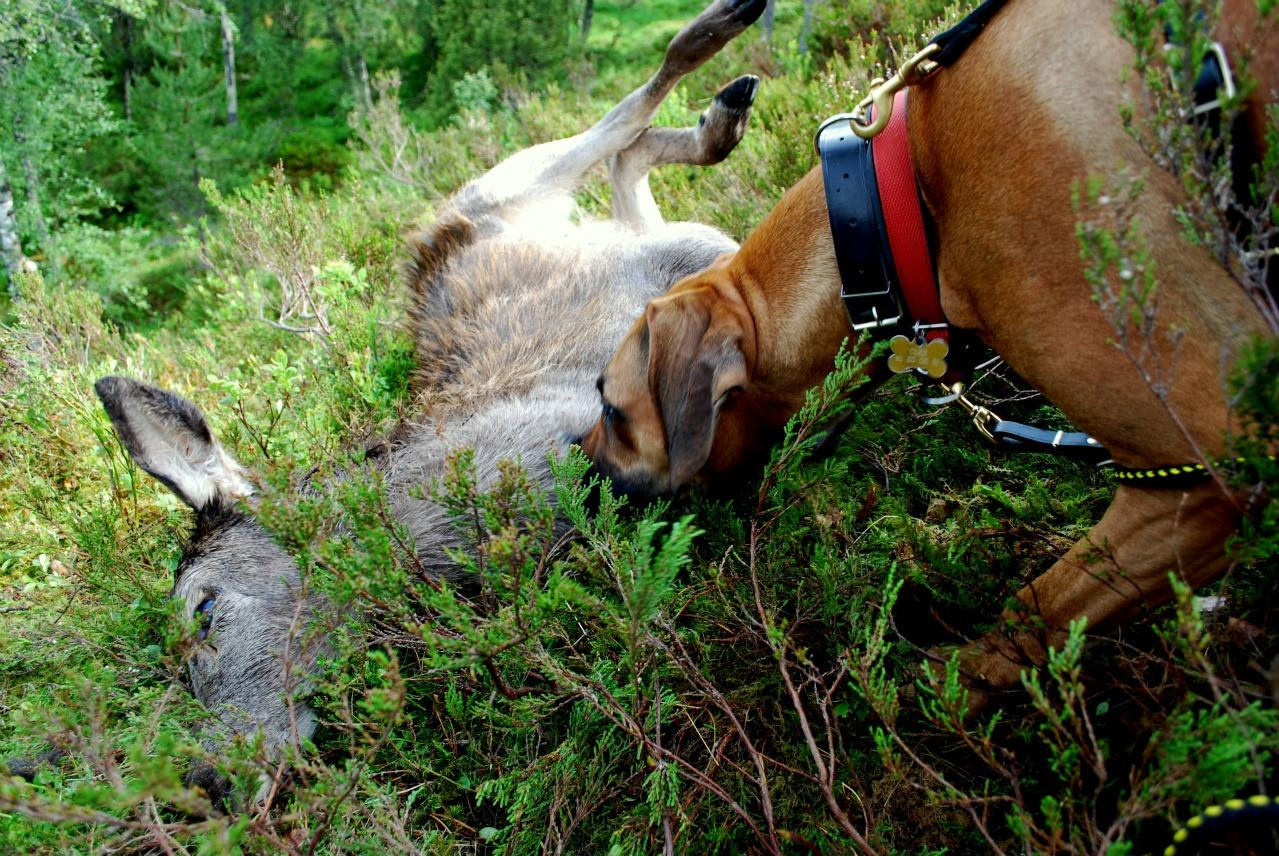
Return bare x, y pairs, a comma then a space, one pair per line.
999, 142
515, 307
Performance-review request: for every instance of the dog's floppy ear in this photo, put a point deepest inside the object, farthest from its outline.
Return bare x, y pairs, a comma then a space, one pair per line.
695, 359
169, 438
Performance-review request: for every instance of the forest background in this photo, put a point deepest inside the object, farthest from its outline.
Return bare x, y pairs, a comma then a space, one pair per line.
729, 675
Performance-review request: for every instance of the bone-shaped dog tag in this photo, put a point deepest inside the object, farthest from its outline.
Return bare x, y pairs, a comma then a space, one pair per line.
929, 358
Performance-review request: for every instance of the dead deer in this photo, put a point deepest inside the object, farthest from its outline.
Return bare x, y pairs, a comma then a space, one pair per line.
515, 307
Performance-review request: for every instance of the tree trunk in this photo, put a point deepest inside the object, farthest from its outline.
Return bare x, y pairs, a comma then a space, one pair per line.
348, 72
588, 16
366, 92
344, 55
228, 60
128, 94
126, 42
807, 25
15, 261
10, 246
767, 21
36, 211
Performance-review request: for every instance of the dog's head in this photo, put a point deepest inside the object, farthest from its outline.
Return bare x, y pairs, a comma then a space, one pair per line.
676, 398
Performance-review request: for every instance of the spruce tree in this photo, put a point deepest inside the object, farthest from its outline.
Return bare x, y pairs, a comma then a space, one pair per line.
512, 38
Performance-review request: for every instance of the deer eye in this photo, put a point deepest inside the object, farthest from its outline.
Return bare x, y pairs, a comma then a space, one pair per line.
205, 610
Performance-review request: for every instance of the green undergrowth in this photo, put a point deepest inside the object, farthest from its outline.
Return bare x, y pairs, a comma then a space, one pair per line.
723, 674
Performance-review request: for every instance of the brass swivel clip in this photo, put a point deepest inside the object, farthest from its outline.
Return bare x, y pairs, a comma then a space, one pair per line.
914, 71
983, 417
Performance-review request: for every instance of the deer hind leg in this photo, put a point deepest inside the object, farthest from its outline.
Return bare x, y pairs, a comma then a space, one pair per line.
559, 166
717, 133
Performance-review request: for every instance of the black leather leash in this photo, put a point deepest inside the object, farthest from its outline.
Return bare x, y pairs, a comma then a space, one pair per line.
956, 40
1016, 437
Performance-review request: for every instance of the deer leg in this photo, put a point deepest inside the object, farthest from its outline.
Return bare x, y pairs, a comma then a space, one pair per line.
560, 165
717, 133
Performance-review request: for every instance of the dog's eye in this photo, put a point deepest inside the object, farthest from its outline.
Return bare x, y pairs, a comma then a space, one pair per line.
205, 610
611, 413
728, 393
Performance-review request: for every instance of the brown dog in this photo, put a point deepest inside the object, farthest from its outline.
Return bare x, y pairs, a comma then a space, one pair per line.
707, 378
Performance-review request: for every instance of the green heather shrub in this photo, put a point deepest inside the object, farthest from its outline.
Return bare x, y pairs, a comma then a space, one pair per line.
884, 30
709, 674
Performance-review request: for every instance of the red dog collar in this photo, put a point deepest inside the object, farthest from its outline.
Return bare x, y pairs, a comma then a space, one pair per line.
877, 224
904, 220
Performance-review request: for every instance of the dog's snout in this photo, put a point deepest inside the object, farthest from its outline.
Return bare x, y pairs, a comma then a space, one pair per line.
635, 494
621, 485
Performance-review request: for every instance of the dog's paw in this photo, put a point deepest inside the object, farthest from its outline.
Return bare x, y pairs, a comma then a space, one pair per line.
983, 674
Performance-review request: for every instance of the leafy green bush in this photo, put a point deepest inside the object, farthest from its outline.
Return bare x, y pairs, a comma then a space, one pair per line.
725, 675
139, 273
503, 36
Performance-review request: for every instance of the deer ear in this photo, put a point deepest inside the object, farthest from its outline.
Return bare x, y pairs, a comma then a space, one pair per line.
695, 360
168, 437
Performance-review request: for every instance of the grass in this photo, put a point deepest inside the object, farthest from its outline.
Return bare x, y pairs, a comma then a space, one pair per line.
686, 620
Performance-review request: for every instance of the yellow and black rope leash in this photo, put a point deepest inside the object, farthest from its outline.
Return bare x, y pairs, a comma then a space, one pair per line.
1169, 476
1195, 830
1185, 471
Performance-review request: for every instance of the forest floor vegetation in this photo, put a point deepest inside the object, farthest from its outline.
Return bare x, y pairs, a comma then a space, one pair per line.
703, 675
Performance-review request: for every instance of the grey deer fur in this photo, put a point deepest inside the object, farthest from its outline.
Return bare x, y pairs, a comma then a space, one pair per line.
515, 309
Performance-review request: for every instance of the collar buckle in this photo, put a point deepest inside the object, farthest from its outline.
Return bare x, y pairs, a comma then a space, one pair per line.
871, 310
